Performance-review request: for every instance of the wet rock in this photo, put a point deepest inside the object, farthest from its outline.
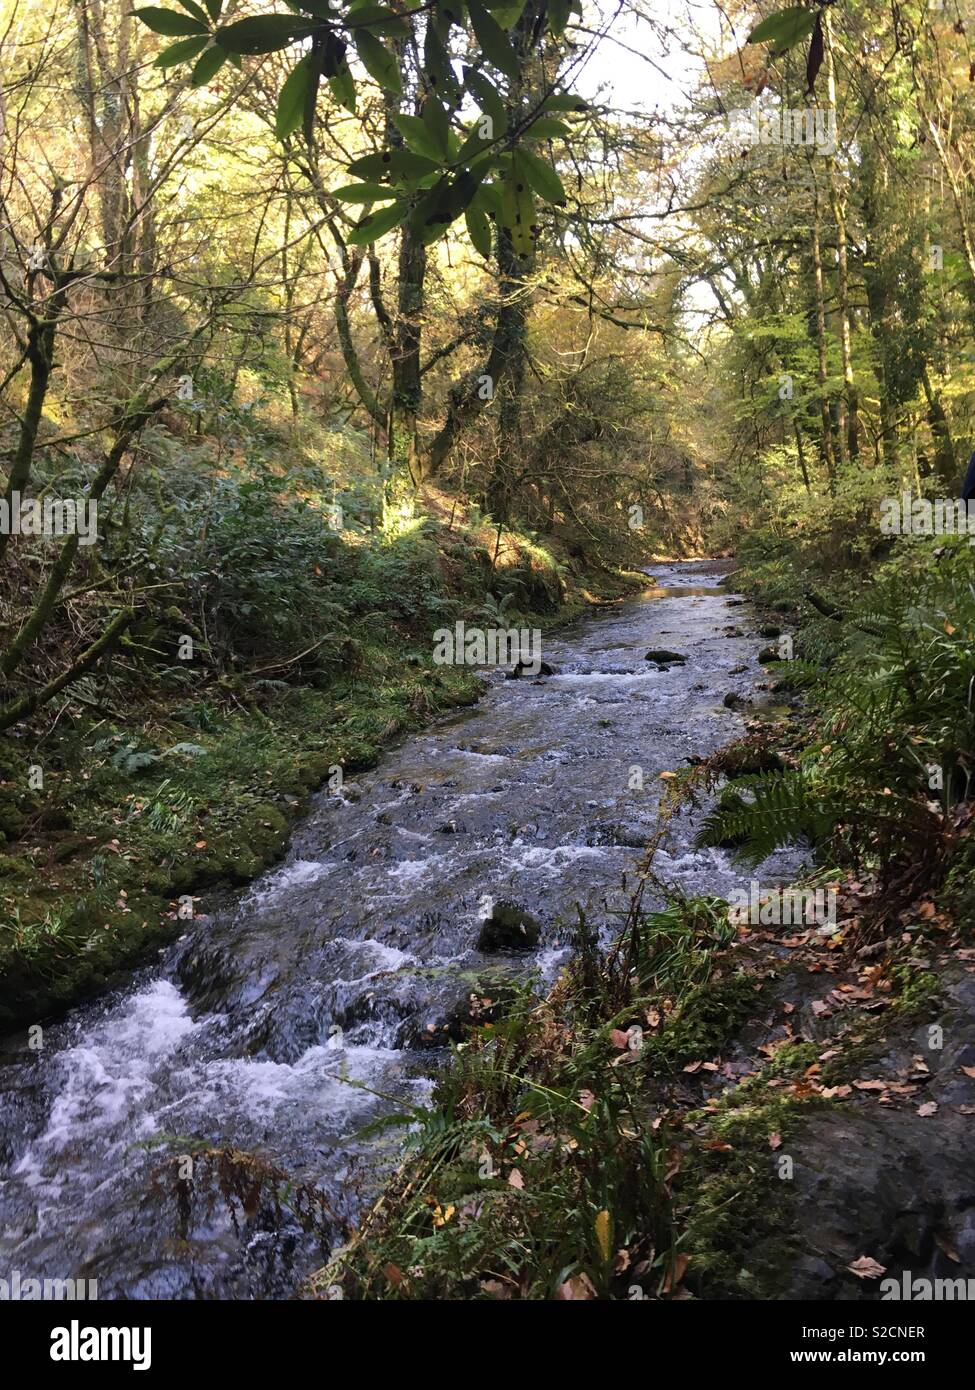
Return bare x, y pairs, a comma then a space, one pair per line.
735, 701
520, 669
508, 929
770, 654
481, 999
733, 632
769, 630
665, 658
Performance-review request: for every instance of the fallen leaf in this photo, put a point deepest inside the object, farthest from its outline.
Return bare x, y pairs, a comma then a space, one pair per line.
516, 1180
866, 1268
930, 1107
580, 1286
675, 1273
775, 1140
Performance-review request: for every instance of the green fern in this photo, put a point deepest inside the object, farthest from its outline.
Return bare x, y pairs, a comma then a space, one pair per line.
783, 808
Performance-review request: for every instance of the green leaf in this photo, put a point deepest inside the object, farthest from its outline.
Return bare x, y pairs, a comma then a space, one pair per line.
169, 22
377, 224
493, 41
193, 8
518, 210
785, 29
507, 12
443, 204
291, 98
436, 64
378, 19
379, 63
558, 16
474, 145
540, 175
210, 63
342, 85
419, 137
263, 33
488, 97
548, 128
564, 101
488, 200
479, 230
401, 165
364, 193
435, 119
181, 51
213, 8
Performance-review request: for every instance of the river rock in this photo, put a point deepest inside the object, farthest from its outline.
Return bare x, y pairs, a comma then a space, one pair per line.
663, 657
508, 929
520, 669
480, 999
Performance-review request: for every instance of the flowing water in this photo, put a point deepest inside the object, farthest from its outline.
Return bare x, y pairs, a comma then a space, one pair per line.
286, 1020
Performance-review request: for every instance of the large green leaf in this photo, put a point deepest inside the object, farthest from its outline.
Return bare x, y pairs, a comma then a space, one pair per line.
493, 40
181, 51
540, 175
263, 33
194, 9
342, 85
377, 224
437, 123
292, 97
210, 63
479, 230
419, 137
518, 210
379, 63
785, 29
488, 98
169, 22
378, 19
364, 193
401, 165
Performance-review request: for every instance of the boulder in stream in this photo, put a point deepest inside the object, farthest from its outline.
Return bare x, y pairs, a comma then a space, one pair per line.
521, 669
665, 658
508, 929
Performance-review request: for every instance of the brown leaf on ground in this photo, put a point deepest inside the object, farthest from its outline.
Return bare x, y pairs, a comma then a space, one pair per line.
675, 1273
775, 1140
579, 1287
864, 1267
930, 1107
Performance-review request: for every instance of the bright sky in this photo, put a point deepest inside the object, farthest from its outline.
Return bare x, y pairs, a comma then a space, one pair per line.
641, 68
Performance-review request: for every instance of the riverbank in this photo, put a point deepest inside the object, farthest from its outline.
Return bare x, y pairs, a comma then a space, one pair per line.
745, 1110
138, 814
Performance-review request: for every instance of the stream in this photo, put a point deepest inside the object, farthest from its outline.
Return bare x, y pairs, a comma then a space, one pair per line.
300, 1009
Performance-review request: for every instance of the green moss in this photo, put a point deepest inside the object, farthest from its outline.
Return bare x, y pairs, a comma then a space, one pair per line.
708, 1017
